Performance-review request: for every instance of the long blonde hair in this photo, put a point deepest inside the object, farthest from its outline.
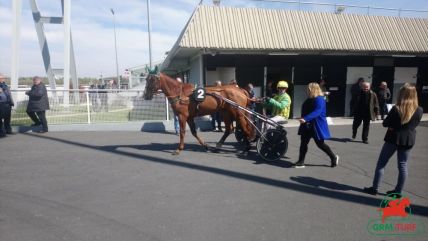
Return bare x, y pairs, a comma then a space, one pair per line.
407, 102
314, 90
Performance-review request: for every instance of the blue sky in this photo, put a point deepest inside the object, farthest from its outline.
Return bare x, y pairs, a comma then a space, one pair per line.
92, 29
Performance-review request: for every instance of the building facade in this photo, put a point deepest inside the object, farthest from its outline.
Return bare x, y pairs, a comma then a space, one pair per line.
261, 45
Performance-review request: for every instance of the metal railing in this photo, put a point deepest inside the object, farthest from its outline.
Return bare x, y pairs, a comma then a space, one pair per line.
94, 106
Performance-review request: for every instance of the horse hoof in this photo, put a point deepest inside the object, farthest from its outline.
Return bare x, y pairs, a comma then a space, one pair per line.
176, 152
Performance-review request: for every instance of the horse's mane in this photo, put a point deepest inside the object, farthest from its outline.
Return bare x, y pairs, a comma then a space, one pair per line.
167, 77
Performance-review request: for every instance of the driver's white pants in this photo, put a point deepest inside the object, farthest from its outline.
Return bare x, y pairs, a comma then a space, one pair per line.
277, 118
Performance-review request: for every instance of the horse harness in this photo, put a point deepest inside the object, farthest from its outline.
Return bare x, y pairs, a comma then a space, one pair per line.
186, 100
178, 98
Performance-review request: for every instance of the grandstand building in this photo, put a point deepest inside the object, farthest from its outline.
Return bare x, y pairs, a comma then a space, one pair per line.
258, 45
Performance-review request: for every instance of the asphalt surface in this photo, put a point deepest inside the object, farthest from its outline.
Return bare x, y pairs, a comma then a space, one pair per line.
127, 186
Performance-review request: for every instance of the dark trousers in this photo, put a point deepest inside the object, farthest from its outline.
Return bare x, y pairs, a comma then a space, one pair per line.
216, 117
366, 126
385, 154
39, 117
5, 115
383, 109
304, 141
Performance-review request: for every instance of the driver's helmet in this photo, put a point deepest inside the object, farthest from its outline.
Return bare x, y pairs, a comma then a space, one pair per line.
282, 84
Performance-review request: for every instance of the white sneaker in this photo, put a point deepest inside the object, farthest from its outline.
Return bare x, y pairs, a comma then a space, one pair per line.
335, 162
299, 165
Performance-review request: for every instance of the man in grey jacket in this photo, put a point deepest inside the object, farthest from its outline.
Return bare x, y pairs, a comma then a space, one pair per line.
6, 103
38, 104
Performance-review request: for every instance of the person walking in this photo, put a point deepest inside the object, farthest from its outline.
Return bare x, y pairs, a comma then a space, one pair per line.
216, 117
383, 95
38, 104
366, 108
3, 99
355, 90
103, 95
279, 103
400, 137
269, 89
313, 124
93, 95
6, 104
325, 92
269, 93
176, 121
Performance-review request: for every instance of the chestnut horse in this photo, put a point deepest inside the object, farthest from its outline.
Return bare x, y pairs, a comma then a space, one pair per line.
186, 108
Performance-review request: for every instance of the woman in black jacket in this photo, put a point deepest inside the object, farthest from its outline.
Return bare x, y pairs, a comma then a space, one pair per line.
401, 122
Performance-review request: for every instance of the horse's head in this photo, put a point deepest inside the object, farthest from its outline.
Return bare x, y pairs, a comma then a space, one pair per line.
152, 86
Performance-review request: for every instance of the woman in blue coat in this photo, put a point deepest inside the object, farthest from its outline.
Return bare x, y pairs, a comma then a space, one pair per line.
313, 124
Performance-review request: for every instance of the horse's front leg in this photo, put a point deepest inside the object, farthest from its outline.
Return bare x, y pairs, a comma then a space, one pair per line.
228, 129
182, 122
192, 126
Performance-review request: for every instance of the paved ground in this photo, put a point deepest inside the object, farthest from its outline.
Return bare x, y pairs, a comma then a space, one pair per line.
127, 186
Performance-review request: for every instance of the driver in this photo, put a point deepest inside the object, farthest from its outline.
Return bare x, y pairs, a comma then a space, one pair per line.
279, 103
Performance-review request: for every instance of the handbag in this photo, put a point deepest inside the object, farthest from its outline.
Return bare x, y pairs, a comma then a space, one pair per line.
305, 128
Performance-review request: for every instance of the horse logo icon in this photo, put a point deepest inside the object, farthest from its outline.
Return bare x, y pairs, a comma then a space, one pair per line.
395, 208
395, 218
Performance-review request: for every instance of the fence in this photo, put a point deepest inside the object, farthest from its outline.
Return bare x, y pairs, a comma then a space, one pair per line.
94, 106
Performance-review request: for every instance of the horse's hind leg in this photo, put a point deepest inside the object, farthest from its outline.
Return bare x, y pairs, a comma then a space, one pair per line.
247, 132
182, 122
192, 126
228, 129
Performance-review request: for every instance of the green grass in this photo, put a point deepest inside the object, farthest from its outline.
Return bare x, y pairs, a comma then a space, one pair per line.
75, 117
77, 114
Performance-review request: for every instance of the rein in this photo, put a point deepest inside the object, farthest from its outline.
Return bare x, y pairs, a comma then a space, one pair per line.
176, 98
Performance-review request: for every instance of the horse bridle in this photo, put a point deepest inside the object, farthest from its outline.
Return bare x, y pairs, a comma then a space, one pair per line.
172, 99
156, 85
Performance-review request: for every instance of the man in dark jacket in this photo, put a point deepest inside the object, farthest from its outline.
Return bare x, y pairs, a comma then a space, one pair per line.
355, 90
366, 108
6, 103
38, 104
383, 95
103, 95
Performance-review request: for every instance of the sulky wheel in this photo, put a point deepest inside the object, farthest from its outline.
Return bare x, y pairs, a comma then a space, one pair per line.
239, 134
273, 144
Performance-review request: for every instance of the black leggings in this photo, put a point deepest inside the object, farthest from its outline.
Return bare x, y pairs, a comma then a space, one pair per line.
304, 141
